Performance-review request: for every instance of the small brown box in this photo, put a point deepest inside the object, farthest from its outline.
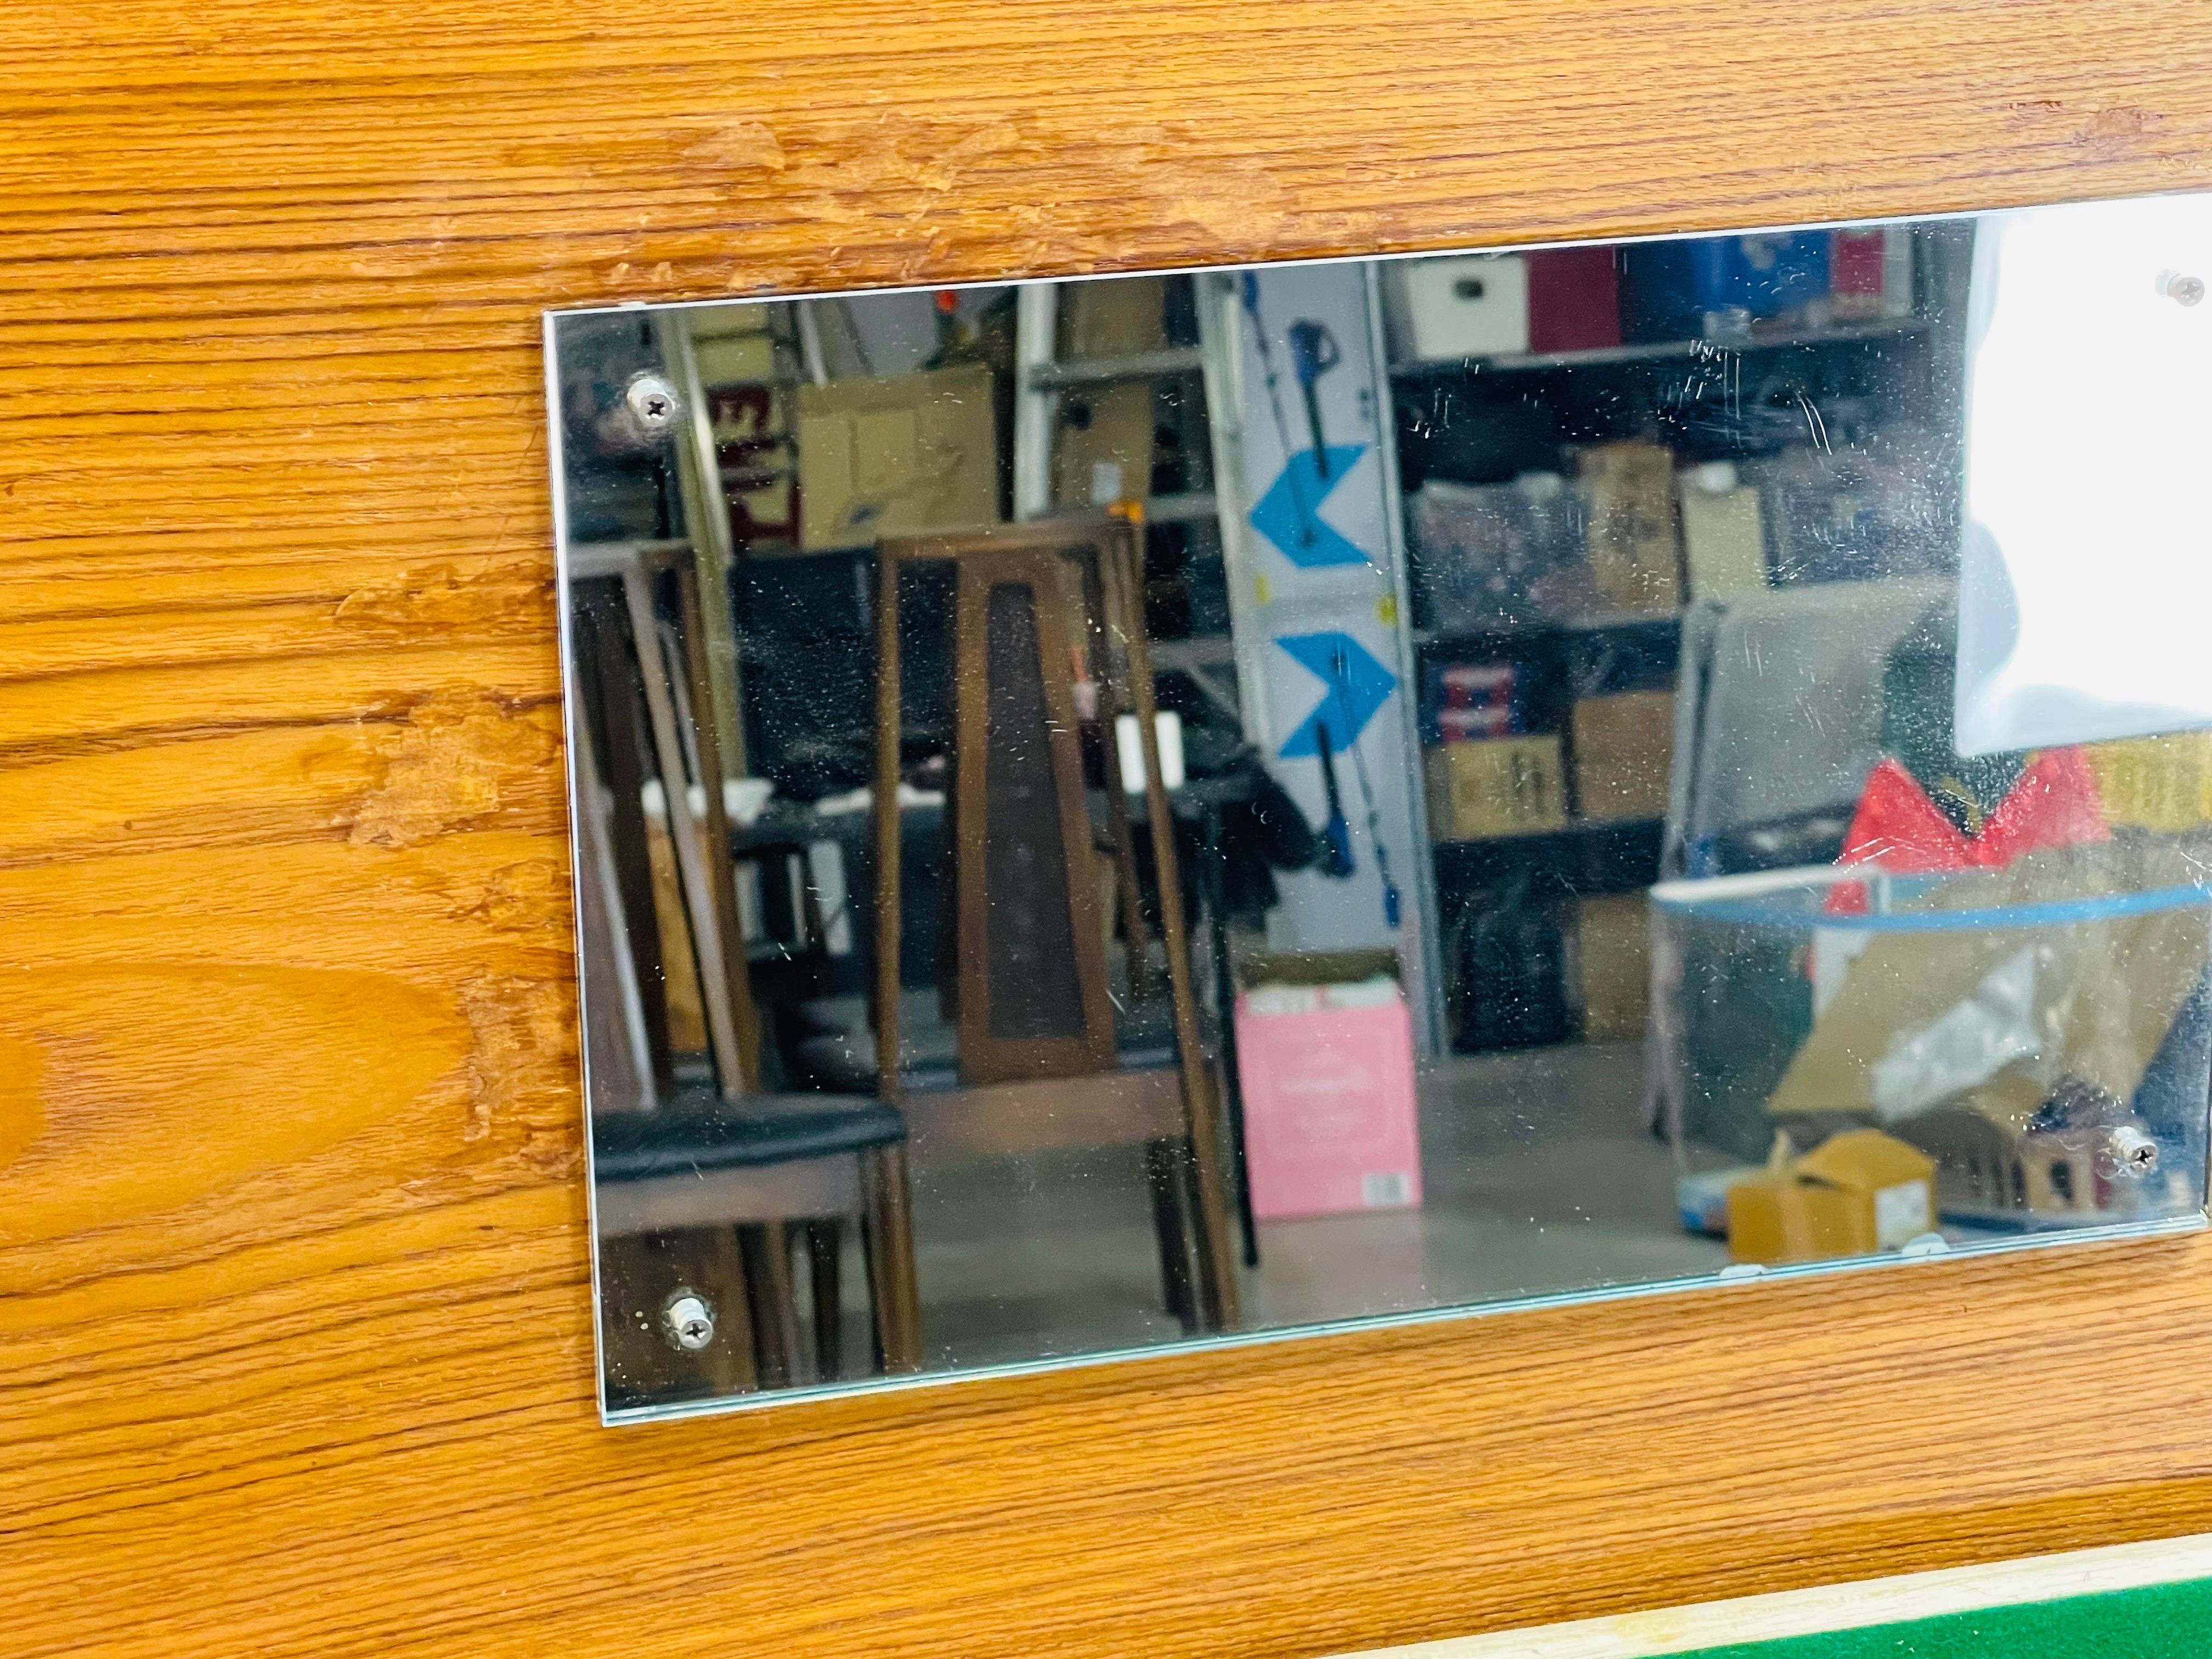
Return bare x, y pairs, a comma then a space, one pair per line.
1496, 787
1624, 749
901, 455
1613, 946
1105, 455
1635, 545
1113, 317
1862, 1191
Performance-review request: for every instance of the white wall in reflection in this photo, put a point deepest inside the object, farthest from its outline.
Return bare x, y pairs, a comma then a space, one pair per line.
2086, 580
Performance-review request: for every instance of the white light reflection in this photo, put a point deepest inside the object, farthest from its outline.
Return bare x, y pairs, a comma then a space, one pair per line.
2086, 578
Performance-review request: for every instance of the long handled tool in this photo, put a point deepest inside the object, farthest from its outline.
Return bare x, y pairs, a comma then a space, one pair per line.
1335, 860
1314, 352
1250, 288
1339, 684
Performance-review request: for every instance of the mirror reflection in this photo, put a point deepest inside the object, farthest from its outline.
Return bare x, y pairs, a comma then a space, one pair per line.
1120, 812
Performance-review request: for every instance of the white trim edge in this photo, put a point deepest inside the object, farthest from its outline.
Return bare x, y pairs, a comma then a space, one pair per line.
1837, 1607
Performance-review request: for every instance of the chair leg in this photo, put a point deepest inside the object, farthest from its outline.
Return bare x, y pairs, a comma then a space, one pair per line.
825, 1247
638, 1273
640, 1368
1208, 1209
731, 1366
1172, 1222
887, 1238
766, 1248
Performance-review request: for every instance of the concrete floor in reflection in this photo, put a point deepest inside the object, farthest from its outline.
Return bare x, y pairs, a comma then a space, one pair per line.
1539, 1177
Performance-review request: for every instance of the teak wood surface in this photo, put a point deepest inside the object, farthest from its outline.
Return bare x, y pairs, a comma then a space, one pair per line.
294, 1328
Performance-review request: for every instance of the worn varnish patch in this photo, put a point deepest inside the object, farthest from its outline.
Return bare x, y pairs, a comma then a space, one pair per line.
459, 761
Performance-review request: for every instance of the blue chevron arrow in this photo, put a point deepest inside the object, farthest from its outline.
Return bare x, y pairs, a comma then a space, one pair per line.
1356, 686
1289, 514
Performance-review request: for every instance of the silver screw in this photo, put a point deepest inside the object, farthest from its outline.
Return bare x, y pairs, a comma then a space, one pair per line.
688, 1320
2126, 1152
653, 402
2182, 290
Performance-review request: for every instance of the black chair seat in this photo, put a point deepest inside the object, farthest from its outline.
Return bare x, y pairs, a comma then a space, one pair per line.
697, 1131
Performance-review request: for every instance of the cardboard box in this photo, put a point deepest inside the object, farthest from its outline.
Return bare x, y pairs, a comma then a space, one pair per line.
1103, 452
2162, 783
1624, 749
1325, 1063
1723, 536
1472, 304
735, 360
1613, 950
1497, 786
737, 317
1635, 550
898, 456
1113, 317
1860, 1192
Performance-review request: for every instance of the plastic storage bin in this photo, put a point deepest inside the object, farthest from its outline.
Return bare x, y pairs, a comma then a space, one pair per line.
1715, 285
1493, 556
2043, 1032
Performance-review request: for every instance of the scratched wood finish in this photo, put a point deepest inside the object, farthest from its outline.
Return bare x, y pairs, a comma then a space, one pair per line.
295, 1326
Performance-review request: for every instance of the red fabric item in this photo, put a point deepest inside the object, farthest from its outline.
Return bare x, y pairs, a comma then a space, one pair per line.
1897, 826
1574, 298
1856, 260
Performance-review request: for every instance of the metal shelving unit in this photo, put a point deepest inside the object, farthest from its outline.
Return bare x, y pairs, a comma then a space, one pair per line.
1878, 328
1583, 859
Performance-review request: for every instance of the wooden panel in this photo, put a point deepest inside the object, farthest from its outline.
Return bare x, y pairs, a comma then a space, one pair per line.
294, 1335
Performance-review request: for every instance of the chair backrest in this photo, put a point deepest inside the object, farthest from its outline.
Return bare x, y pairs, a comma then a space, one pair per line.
645, 677
1035, 605
1032, 952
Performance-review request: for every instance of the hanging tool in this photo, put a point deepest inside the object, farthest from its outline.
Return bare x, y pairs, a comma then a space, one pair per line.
1340, 684
1335, 860
1250, 288
1314, 352
953, 336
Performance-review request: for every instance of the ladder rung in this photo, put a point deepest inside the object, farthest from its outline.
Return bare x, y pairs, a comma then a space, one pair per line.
1097, 371
590, 559
1189, 508
1185, 655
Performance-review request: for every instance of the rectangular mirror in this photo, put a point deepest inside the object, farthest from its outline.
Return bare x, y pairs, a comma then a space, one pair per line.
1117, 813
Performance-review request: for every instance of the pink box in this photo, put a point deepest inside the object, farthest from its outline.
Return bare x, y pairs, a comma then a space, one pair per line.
1330, 1122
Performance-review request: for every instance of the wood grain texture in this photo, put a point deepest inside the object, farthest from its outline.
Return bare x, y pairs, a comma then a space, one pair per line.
294, 1338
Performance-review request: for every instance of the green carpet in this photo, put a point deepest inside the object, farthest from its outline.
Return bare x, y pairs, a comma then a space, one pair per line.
2159, 1621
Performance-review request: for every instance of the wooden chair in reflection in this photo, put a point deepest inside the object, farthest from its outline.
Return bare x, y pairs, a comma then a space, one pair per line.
1039, 1063
700, 1177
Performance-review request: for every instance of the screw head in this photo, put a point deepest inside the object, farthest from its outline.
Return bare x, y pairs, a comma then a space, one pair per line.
688, 1320
2126, 1153
2182, 289
651, 402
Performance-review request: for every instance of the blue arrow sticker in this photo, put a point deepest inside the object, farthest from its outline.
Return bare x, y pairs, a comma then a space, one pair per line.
1356, 686
1289, 514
